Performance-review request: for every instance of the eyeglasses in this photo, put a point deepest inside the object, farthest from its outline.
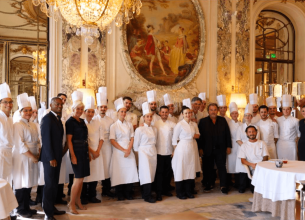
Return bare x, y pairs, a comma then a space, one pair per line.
7, 103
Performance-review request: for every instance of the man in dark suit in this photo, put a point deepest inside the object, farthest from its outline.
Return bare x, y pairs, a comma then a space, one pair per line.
215, 141
51, 155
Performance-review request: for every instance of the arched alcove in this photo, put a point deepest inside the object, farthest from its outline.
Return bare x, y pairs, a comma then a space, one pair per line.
295, 13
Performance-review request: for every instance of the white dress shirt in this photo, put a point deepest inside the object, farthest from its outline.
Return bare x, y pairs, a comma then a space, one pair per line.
164, 137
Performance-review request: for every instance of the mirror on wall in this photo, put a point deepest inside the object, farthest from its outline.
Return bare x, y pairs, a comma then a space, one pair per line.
24, 49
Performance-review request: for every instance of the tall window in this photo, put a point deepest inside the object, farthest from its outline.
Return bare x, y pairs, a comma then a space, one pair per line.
275, 52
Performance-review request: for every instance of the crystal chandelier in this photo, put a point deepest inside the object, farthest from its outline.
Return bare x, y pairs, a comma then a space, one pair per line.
39, 67
87, 16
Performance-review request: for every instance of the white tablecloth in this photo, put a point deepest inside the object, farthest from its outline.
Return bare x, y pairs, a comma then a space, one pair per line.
278, 184
7, 199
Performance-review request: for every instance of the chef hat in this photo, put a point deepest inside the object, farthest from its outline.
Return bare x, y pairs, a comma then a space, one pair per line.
89, 103
32, 100
119, 104
145, 108
233, 107
286, 101
202, 96
102, 89
77, 98
43, 104
253, 99
101, 98
151, 96
5, 91
167, 99
270, 101
23, 101
221, 100
249, 109
187, 103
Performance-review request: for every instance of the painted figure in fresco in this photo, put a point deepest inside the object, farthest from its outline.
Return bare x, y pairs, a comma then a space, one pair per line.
165, 51
133, 40
136, 54
181, 74
177, 55
151, 49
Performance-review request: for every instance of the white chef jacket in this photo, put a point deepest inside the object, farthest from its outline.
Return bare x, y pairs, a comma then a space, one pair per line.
40, 113
275, 117
6, 146
231, 158
122, 170
289, 128
164, 138
172, 118
255, 119
95, 135
154, 119
16, 116
106, 122
145, 135
253, 152
112, 114
26, 138
205, 113
132, 118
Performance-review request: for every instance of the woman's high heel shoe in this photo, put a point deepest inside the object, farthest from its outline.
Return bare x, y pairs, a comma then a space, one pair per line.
73, 211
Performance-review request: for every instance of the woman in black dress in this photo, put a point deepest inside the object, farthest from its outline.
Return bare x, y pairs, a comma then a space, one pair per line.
301, 144
77, 137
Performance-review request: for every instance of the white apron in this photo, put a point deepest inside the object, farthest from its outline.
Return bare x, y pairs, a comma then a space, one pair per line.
106, 153
197, 159
123, 170
272, 151
147, 163
25, 172
232, 157
41, 174
183, 162
6, 164
286, 150
96, 168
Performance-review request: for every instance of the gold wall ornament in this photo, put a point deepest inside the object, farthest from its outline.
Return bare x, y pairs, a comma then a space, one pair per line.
23, 49
39, 67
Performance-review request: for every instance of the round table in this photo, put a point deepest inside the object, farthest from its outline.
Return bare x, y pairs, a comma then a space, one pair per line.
8, 200
275, 188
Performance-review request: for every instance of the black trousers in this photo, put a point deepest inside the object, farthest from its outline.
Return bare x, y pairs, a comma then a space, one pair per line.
39, 193
106, 185
60, 192
89, 190
163, 173
209, 172
244, 181
23, 199
184, 187
146, 190
124, 190
51, 178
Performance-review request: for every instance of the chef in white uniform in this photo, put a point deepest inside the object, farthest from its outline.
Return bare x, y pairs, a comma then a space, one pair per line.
106, 122
195, 106
123, 168
269, 131
111, 113
25, 157
41, 111
152, 100
145, 144
289, 131
222, 106
241, 137
231, 158
95, 141
184, 155
253, 98
165, 128
171, 108
252, 151
16, 116
6, 133
271, 103
202, 96
130, 117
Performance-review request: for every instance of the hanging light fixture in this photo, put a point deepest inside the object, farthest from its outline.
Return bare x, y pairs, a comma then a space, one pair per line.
87, 16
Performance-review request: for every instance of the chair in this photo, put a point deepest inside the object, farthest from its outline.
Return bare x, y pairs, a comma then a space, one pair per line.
248, 171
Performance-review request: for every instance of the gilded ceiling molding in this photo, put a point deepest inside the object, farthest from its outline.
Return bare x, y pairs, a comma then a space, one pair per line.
179, 91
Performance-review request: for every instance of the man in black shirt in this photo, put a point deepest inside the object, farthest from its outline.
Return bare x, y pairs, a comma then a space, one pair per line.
215, 141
